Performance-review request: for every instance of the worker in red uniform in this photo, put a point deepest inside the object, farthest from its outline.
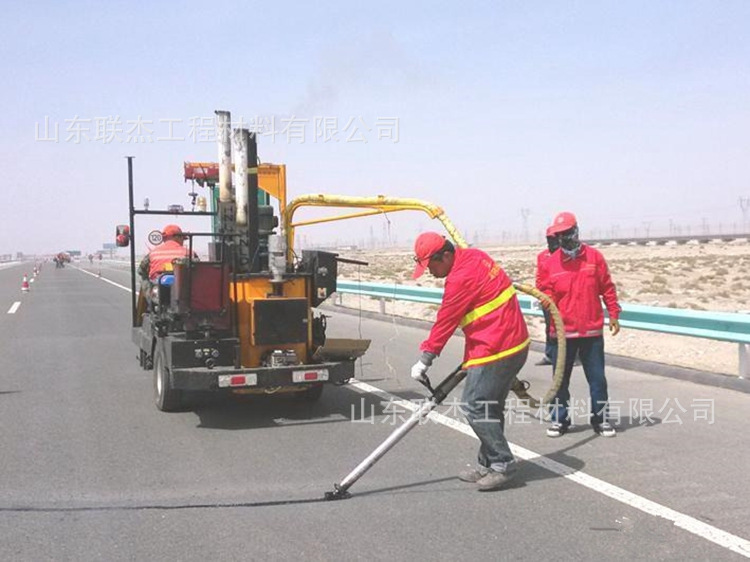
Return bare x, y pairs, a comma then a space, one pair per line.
160, 258
541, 276
578, 280
480, 298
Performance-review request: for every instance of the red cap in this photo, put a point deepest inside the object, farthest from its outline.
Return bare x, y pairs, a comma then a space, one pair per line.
550, 231
426, 245
171, 230
563, 221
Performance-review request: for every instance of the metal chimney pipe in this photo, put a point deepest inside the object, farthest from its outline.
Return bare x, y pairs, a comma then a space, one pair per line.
239, 156
223, 125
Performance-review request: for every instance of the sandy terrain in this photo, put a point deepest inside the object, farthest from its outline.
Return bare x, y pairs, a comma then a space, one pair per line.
713, 276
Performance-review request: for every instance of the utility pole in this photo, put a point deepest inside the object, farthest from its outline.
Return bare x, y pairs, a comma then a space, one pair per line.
525, 217
745, 208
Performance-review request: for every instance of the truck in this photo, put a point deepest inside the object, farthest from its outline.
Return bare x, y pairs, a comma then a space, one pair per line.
245, 320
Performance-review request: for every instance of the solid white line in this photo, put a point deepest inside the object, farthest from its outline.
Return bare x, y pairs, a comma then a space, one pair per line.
123, 287
690, 524
14, 307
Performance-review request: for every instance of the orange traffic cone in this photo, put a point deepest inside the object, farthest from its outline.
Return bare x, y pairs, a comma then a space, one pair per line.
25, 284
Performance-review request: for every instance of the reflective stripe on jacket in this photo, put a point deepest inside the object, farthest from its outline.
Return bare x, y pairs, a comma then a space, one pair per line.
160, 258
479, 298
578, 285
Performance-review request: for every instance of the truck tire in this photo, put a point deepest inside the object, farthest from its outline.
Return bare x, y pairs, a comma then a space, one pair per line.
167, 398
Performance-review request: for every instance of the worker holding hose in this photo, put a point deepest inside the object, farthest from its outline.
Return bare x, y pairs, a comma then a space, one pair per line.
479, 297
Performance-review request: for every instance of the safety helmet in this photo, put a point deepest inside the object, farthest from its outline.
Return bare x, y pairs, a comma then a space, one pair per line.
171, 230
426, 245
563, 221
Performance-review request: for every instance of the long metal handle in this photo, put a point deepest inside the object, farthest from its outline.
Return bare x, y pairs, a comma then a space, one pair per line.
442, 390
386, 445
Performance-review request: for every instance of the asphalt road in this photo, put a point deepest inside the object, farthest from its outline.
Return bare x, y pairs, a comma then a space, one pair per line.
91, 470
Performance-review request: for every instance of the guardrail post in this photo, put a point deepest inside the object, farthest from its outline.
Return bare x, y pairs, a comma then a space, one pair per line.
340, 298
744, 360
382, 306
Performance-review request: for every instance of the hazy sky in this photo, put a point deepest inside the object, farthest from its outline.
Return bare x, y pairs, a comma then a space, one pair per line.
629, 113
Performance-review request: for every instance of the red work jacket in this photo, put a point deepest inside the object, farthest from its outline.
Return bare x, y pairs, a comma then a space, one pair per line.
480, 298
542, 271
578, 285
160, 258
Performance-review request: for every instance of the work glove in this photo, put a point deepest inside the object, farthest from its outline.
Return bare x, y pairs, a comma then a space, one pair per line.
614, 326
419, 371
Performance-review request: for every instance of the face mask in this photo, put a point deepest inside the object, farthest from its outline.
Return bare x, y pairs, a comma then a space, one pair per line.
569, 242
552, 243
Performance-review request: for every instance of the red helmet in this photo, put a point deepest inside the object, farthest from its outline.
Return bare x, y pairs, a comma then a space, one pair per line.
171, 230
426, 245
563, 221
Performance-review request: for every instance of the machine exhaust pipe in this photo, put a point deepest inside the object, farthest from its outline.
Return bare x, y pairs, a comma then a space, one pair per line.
223, 124
239, 156
245, 151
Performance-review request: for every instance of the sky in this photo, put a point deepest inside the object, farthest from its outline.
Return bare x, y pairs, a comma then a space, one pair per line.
635, 115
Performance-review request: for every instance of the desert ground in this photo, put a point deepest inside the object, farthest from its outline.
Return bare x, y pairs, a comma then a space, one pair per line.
714, 276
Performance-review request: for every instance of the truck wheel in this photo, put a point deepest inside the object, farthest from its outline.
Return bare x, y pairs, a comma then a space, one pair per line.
167, 398
311, 394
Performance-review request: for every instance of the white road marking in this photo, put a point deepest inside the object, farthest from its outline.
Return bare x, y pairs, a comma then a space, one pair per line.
690, 524
14, 307
123, 287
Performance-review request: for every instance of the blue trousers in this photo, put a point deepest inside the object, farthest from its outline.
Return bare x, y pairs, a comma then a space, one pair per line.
591, 353
486, 388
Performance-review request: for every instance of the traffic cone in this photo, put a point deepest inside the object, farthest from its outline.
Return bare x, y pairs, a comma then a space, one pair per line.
25, 284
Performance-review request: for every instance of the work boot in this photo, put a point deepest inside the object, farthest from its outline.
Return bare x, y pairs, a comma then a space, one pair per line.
494, 480
605, 429
556, 429
544, 361
472, 475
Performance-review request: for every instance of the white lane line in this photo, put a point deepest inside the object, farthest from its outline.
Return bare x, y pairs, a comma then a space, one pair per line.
690, 524
14, 307
123, 287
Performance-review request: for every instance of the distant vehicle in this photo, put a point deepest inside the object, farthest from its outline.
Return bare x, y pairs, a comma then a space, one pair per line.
175, 209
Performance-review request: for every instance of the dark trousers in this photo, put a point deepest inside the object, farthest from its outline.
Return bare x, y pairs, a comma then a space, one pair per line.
591, 353
486, 388
549, 341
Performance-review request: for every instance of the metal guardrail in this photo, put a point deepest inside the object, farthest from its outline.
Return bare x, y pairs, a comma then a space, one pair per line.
720, 326
662, 240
